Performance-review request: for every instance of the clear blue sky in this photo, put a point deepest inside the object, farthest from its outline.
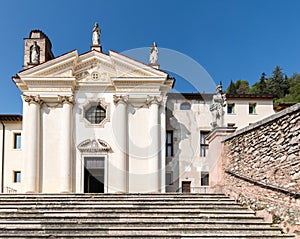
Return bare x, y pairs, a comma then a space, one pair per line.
231, 39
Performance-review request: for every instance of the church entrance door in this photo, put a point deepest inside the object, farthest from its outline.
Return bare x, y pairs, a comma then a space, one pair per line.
94, 174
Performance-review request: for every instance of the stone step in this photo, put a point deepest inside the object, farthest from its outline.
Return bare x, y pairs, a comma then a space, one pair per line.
116, 202
166, 236
115, 195
132, 218
129, 216
122, 212
106, 224
104, 207
140, 230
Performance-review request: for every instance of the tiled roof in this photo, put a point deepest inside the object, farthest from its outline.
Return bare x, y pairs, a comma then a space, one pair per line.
10, 117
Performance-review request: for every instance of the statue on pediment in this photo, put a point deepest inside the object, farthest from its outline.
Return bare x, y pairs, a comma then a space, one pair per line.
217, 108
96, 35
153, 60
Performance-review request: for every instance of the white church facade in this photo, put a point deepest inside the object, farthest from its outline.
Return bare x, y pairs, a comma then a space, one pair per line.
106, 123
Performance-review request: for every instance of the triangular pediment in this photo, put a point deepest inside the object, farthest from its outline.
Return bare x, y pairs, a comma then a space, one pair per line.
89, 70
72, 65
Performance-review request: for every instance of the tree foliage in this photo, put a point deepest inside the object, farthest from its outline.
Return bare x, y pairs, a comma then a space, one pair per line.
239, 87
284, 89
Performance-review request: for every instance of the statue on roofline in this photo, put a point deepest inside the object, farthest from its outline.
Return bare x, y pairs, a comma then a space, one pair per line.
96, 35
153, 60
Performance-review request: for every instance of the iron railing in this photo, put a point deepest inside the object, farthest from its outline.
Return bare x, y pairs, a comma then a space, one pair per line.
9, 190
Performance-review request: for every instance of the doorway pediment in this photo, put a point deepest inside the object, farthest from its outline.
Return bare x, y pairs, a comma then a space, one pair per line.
94, 146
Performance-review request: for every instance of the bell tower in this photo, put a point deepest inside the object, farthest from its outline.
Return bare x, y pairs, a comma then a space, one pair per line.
37, 49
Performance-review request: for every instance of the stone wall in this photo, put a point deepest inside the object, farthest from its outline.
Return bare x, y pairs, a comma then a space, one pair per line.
262, 167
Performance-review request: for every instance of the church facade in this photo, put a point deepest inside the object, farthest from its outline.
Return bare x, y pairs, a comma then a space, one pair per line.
106, 123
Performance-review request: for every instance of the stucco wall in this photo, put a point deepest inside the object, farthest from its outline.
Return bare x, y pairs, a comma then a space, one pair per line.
262, 165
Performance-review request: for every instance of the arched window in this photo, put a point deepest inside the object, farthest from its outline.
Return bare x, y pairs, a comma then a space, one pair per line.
185, 106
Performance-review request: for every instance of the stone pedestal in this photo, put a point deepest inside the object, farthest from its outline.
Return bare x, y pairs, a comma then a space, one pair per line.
214, 157
96, 47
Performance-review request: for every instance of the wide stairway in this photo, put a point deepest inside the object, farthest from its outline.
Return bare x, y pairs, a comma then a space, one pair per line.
129, 216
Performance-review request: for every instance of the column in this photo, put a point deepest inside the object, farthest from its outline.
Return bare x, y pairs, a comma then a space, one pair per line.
154, 150
120, 131
32, 157
66, 139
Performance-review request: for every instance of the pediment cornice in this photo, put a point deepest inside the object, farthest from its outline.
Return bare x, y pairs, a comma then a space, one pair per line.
90, 70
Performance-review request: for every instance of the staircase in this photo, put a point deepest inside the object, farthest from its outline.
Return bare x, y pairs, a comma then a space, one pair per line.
129, 216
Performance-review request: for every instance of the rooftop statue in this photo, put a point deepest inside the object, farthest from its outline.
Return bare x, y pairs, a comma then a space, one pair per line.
153, 60
217, 108
96, 35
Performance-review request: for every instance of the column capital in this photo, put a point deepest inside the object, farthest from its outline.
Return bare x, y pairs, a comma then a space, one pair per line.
63, 99
153, 100
36, 99
121, 99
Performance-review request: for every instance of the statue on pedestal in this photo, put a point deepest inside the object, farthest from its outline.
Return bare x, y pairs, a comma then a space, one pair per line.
96, 35
217, 108
153, 60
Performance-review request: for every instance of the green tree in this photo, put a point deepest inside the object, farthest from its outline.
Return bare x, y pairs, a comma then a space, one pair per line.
293, 95
231, 88
242, 87
261, 86
278, 84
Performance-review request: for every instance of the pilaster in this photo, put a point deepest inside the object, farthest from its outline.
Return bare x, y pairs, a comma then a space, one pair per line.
33, 131
154, 150
121, 134
66, 160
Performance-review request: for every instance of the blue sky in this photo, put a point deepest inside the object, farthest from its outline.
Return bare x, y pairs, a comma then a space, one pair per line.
230, 39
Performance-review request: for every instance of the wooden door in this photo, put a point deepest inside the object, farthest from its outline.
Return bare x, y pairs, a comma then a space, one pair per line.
186, 186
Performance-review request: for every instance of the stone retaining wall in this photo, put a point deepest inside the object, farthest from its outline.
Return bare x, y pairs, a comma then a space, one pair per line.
262, 167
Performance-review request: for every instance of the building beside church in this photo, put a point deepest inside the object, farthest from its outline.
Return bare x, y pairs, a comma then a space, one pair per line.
106, 123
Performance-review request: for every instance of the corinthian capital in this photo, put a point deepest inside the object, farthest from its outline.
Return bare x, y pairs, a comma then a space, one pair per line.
154, 100
33, 99
66, 99
120, 99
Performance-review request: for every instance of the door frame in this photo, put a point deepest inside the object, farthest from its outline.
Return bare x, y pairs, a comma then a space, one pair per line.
105, 156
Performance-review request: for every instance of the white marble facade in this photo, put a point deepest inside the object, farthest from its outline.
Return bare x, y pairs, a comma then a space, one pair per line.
96, 111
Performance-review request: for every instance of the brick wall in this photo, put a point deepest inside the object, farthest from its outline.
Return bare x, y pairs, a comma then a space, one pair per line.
262, 167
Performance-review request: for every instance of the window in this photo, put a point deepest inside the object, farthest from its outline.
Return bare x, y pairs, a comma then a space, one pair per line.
95, 114
17, 140
185, 106
203, 143
169, 178
17, 176
169, 143
252, 108
230, 109
95, 76
204, 179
